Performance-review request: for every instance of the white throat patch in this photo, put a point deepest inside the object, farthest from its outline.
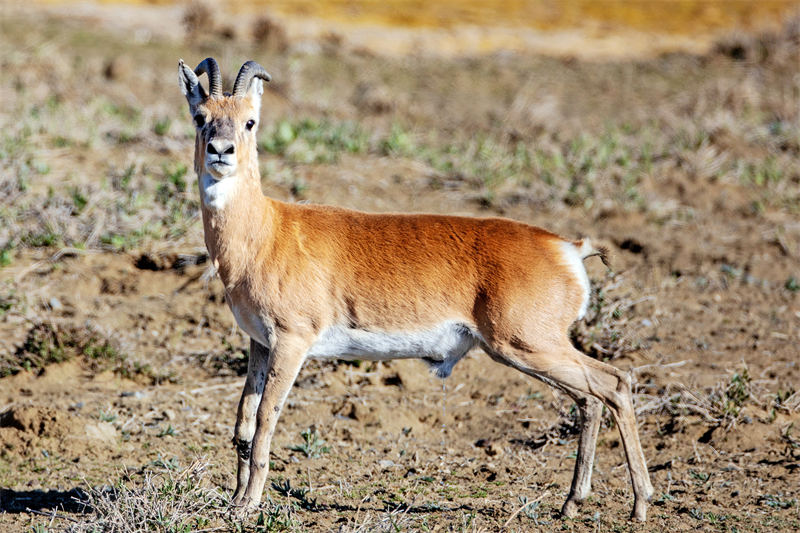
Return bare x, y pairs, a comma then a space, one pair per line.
217, 192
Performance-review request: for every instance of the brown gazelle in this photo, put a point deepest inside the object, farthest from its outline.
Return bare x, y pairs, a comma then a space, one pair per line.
317, 281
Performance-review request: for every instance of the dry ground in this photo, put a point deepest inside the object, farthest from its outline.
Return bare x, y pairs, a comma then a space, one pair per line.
122, 366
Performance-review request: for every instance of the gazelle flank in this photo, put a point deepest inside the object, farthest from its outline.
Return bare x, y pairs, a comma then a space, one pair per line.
318, 281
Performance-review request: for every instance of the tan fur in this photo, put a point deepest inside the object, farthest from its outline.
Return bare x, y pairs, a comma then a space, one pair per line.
301, 269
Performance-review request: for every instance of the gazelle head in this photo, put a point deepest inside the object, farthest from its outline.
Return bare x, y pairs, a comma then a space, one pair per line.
226, 123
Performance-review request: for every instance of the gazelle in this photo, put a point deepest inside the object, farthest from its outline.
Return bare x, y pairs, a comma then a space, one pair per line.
318, 281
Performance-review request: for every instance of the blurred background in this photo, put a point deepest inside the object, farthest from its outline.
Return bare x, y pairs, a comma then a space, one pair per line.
584, 27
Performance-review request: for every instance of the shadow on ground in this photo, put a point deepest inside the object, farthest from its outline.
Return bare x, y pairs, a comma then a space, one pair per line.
21, 501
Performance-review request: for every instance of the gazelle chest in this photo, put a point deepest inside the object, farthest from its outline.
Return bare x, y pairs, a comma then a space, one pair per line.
251, 322
217, 193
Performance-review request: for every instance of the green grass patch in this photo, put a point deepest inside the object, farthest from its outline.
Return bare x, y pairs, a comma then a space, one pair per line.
47, 344
314, 141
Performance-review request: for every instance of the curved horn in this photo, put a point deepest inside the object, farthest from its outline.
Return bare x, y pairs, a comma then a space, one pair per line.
249, 70
209, 66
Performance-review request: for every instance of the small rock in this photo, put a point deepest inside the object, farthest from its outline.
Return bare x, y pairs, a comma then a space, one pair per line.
102, 431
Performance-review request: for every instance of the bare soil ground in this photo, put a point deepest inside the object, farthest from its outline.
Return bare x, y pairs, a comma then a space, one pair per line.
122, 366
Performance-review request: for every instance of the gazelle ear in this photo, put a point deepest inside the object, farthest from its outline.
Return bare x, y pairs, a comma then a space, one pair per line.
254, 92
190, 86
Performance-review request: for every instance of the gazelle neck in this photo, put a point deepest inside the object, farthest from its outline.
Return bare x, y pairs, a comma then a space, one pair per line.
237, 222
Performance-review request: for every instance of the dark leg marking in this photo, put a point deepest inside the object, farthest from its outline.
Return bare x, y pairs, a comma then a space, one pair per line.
243, 448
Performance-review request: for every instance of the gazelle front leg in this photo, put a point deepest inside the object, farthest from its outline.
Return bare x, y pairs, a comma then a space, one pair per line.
284, 365
257, 367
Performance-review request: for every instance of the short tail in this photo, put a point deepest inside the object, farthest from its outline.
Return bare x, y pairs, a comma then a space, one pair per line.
586, 249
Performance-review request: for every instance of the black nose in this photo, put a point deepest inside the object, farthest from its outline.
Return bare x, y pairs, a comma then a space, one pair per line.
220, 146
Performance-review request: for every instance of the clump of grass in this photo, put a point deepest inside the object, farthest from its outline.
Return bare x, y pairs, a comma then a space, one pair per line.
277, 518
44, 345
727, 404
106, 416
300, 494
398, 143
168, 501
792, 285
777, 501
174, 183
79, 200
168, 431
45, 238
313, 446
7, 255
8, 300
48, 343
792, 442
161, 126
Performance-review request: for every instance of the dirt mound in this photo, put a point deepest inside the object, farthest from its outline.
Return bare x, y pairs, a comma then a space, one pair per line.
37, 421
22, 428
24, 431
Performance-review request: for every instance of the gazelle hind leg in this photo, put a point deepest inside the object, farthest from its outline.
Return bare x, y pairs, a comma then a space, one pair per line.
565, 367
591, 412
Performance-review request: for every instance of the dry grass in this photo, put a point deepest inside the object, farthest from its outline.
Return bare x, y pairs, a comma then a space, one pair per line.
683, 150
167, 501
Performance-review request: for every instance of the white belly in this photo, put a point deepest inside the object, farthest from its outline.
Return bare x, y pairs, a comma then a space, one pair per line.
441, 346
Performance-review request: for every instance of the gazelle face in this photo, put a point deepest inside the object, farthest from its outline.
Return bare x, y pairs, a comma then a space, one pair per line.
226, 124
226, 133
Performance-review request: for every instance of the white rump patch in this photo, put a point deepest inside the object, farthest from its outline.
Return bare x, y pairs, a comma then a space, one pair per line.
441, 347
573, 259
217, 192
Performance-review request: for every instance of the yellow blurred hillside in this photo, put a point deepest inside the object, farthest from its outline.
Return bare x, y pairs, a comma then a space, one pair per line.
667, 16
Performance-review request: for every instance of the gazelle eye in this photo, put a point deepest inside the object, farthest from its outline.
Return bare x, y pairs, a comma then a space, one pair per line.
199, 120
250, 124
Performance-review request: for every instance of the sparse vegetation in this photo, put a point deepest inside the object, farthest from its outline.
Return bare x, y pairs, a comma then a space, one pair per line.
684, 166
310, 141
313, 446
167, 501
49, 343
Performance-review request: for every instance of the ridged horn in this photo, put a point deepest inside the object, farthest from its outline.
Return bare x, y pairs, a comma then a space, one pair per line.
249, 70
209, 66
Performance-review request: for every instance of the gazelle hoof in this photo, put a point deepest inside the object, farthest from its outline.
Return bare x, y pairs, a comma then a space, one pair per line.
639, 511
570, 509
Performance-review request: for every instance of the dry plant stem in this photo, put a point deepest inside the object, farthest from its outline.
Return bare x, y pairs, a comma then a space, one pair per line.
542, 496
309, 281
